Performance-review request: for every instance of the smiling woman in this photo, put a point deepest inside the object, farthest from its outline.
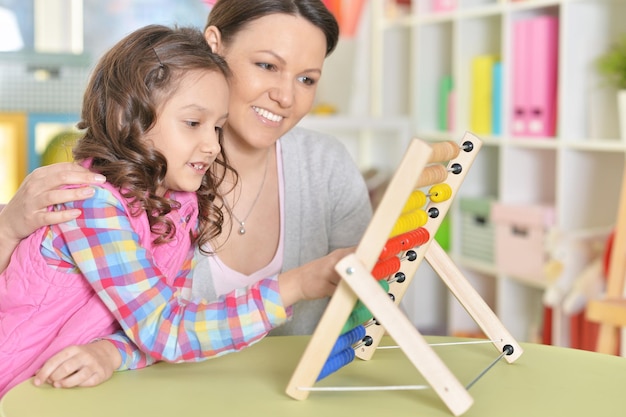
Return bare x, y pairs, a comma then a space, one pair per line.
294, 212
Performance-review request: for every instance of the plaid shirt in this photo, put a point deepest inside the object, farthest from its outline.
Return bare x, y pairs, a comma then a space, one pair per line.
147, 287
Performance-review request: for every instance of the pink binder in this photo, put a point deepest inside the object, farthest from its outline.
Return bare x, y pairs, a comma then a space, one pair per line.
451, 111
443, 5
544, 32
521, 78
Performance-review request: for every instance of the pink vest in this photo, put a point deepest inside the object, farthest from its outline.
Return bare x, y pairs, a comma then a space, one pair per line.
43, 310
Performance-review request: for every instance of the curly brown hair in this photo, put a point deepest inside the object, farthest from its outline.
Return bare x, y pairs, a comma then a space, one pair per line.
120, 104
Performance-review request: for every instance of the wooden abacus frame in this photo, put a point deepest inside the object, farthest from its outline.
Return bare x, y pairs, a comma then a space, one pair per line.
420, 166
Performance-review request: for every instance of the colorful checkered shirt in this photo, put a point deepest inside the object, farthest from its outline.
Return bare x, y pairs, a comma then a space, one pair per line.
158, 320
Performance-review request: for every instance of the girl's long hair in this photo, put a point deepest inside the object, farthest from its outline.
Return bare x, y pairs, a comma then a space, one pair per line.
120, 105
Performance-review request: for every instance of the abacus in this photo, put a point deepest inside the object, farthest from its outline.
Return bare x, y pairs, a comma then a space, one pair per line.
400, 235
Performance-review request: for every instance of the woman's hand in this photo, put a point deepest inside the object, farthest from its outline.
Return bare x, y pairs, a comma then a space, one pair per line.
80, 366
28, 209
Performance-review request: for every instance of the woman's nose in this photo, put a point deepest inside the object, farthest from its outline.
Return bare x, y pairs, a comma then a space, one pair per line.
283, 94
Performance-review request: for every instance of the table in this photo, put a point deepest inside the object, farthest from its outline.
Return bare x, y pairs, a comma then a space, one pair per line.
544, 381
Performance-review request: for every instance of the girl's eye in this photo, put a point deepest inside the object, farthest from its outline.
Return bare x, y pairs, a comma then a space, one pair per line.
307, 80
220, 132
192, 123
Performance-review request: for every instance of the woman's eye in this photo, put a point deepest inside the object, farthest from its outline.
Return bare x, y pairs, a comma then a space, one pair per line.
266, 66
192, 123
307, 80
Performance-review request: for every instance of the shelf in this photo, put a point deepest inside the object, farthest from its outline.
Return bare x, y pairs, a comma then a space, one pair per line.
45, 60
577, 171
374, 143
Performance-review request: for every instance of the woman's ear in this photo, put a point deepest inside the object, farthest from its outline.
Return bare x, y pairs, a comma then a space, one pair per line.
213, 37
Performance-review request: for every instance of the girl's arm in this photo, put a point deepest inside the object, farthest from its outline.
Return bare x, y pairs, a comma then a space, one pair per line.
316, 279
28, 209
191, 330
80, 366
155, 315
94, 363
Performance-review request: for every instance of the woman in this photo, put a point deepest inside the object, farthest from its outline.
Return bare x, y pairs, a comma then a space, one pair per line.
299, 196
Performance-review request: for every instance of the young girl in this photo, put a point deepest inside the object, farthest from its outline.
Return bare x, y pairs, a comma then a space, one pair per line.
153, 114
298, 193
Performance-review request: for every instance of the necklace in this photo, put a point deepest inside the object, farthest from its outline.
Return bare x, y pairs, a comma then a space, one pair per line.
242, 223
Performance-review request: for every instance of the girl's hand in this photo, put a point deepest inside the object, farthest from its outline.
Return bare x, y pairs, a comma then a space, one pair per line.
80, 366
316, 279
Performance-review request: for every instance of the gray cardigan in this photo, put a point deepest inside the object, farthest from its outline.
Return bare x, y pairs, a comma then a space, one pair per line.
327, 207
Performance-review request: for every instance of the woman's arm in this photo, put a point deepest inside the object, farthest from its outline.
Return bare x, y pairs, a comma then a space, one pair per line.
28, 209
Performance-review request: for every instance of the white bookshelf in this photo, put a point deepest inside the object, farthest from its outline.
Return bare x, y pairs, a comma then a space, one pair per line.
578, 171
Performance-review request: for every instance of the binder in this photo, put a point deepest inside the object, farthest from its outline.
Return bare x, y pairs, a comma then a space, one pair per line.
480, 112
451, 111
443, 5
520, 79
496, 99
445, 89
544, 32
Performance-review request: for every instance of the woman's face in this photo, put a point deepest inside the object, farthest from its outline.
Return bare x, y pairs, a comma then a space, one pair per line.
276, 62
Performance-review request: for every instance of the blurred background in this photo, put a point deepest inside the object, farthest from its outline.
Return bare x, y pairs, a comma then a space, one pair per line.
47, 49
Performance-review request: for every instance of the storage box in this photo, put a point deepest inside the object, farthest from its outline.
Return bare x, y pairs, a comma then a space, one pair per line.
477, 230
520, 239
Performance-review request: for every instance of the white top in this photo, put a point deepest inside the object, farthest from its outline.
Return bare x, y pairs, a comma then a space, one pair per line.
226, 279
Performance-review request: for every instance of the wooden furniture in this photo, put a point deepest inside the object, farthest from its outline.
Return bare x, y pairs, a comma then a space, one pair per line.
545, 381
610, 311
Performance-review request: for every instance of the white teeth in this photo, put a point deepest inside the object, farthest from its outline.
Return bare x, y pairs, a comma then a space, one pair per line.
267, 114
198, 167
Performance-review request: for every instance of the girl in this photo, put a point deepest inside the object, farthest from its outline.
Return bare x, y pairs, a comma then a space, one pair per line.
153, 114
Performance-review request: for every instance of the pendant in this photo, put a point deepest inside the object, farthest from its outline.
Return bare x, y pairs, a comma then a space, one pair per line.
242, 230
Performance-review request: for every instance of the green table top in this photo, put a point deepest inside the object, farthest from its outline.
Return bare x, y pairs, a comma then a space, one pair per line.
544, 381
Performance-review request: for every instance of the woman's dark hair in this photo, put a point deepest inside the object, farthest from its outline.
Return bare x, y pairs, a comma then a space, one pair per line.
230, 16
127, 87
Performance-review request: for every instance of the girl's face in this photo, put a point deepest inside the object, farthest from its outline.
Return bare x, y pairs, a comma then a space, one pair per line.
187, 129
276, 62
